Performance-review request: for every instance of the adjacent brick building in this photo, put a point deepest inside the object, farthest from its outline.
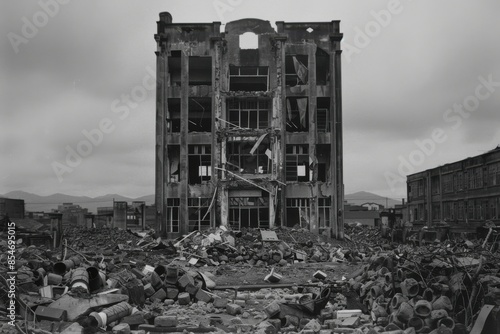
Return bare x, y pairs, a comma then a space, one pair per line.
248, 136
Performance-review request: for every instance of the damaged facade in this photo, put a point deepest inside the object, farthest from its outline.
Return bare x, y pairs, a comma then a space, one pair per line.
248, 137
465, 193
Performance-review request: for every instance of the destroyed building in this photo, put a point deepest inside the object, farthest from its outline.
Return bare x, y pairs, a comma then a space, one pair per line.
464, 193
248, 135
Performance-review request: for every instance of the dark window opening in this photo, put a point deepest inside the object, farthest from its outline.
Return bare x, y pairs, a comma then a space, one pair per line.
200, 71
174, 115
248, 78
298, 212
249, 212
200, 163
199, 216
324, 205
200, 115
296, 72
297, 163
248, 113
322, 67
174, 68
323, 114
173, 158
172, 214
323, 157
245, 158
297, 114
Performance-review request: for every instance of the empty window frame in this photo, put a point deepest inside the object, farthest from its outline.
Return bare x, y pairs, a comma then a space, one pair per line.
323, 158
436, 211
296, 72
241, 160
297, 163
322, 67
323, 115
200, 163
248, 113
297, 114
173, 115
249, 212
200, 71
174, 68
200, 115
173, 153
298, 212
199, 216
248, 78
324, 206
173, 214
435, 185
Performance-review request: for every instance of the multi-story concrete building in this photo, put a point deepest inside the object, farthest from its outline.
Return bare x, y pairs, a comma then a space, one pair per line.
72, 214
248, 135
465, 193
14, 208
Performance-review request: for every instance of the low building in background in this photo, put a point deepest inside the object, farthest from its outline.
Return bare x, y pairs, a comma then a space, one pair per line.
14, 208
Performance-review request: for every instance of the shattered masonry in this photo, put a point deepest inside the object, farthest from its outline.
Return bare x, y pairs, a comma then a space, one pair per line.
248, 137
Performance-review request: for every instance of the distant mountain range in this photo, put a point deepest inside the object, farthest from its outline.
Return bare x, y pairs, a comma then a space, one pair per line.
362, 197
35, 202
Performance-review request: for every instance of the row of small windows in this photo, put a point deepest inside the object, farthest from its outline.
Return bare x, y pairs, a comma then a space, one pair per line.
249, 113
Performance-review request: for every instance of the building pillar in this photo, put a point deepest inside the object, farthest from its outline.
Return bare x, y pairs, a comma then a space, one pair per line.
183, 158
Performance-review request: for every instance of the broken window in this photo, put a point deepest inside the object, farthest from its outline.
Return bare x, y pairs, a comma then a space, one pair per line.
249, 212
249, 40
297, 115
200, 71
174, 68
199, 216
324, 205
173, 214
298, 212
248, 157
173, 153
248, 78
436, 211
323, 115
297, 163
323, 158
174, 115
296, 72
200, 161
322, 67
249, 113
200, 115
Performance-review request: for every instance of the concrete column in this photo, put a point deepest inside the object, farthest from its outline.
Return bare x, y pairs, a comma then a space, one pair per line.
216, 115
183, 159
312, 136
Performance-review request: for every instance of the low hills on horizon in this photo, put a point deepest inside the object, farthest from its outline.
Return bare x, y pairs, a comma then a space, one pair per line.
35, 202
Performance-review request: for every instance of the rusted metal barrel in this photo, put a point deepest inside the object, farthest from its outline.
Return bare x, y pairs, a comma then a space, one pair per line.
80, 278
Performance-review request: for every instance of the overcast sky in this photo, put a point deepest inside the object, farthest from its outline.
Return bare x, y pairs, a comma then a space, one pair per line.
408, 67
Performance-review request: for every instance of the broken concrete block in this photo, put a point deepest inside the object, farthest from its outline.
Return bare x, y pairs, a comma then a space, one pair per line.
330, 324
233, 309
203, 296
192, 289
220, 302
160, 295
319, 275
50, 313
185, 280
166, 321
121, 328
351, 322
272, 309
172, 293
276, 323
348, 313
75, 328
169, 302
149, 290
266, 327
134, 319
184, 298
273, 277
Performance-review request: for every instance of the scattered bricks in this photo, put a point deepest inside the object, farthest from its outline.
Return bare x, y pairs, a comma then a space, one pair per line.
203, 296
50, 313
121, 329
169, 302
240, 302
184, 298
233, 309
166, 321
160, 295
319, 275
172, 293
272, 309
185, 280
191, 289
220, 302
276, 323
134, 319
149, 290
351, 322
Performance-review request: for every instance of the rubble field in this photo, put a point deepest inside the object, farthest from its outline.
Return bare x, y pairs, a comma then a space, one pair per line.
285, 280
